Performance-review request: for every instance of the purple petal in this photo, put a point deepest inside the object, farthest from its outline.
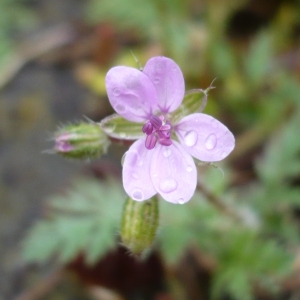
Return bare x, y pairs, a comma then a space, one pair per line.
173, 173
131, 93
136, 172
168, 80
204, 137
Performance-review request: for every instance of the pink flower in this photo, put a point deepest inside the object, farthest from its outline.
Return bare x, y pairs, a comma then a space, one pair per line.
161, 161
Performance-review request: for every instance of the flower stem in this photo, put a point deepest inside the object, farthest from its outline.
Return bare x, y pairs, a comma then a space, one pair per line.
219, 204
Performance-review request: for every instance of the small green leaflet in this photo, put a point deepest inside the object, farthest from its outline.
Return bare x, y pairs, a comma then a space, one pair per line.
117, 127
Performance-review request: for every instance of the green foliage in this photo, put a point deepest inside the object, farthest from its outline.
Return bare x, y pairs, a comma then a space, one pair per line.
258, 62
244, 255
84, 220
193, 101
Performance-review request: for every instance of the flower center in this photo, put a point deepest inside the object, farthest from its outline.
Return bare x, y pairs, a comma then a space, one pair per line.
157, 129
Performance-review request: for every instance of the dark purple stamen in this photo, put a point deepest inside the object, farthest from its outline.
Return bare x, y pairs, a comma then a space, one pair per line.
165, 142
156, 122
150, 141
147, 128
164, 134
157, 129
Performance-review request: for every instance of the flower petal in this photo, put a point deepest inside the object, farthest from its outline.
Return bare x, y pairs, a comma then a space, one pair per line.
204, 137
136, 172
173, 173
131, 93
168, 80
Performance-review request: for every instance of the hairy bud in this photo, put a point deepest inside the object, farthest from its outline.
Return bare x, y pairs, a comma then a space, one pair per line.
83, 140
139, 224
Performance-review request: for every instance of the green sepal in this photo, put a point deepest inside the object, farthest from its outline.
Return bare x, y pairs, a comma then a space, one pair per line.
117, 127
81, 141
193, 101
139, 224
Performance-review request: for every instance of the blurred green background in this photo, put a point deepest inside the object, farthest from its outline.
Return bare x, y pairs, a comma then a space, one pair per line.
238, 238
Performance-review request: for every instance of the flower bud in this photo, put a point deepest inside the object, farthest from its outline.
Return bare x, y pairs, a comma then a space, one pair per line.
139, 224
83, 140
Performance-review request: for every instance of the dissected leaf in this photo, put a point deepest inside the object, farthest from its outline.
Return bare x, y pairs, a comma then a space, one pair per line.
84, 220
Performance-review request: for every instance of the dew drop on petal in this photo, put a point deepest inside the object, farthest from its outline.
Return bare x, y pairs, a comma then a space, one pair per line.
168, 185
181, 201
211, 141
140, 163
122, 135
120, 107
137, 195
190, 138
156, 80
154, 175
223, 154
189, 168
167, 152
116, 92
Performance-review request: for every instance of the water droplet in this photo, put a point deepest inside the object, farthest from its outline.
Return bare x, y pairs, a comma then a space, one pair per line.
109, 128
167, 152
154, 175
158, 67
223, 154
156, 80
116, 92
214, 123
123, 158
168, 185
211, 141
196, 120
189, 168
181, 201
135, 175
122, 135
140, 163
137, 195
190, 138
120, 107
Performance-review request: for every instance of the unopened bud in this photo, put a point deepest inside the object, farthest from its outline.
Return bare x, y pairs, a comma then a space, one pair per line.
139, 224
83, 140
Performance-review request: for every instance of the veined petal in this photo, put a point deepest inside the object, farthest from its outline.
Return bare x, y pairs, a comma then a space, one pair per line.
136, 172
204, 137
173, 173
131, 93
168, 81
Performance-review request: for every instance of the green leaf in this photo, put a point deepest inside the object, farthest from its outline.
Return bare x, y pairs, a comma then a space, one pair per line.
117, 127
193, 101
84, 220
258, 62
40, 243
